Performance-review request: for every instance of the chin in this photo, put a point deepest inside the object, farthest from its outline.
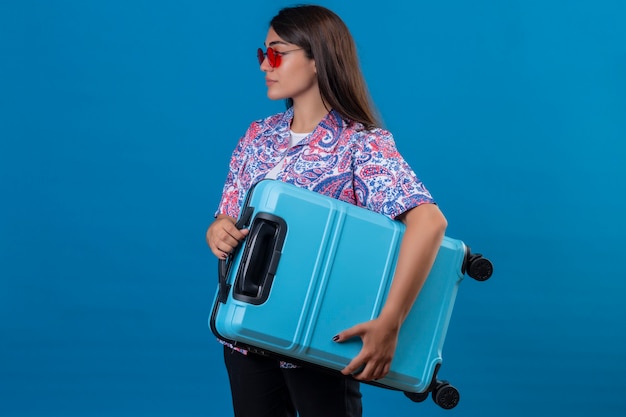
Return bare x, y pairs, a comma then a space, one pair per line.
274, 96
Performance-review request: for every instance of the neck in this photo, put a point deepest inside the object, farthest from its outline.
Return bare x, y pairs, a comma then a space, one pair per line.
307, 115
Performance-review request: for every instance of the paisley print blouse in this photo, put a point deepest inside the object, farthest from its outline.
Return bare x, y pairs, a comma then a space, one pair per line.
340, 159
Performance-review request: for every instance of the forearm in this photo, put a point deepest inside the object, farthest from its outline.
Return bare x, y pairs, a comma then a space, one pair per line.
425, 229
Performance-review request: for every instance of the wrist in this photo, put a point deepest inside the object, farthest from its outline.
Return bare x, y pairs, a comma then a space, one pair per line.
391, 319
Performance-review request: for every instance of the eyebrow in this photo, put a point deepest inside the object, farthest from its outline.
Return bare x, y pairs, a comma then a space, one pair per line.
277, 43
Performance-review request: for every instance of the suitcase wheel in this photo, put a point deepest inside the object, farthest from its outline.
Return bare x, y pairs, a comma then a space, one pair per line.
478, 267
445, 395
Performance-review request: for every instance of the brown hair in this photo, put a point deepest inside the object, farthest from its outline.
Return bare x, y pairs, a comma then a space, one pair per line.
326, 38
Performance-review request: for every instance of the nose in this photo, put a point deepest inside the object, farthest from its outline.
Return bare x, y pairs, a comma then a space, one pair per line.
265, 65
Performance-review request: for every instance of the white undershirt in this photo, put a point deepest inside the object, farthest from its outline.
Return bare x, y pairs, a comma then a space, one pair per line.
294, 138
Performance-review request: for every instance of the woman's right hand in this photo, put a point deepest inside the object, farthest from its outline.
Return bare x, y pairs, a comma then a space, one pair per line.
223, 236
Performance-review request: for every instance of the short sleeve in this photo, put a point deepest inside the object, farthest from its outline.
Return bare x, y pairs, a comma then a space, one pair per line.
232, 193
388, 184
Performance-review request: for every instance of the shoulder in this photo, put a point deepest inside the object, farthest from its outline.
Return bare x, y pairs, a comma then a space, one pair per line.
272, 122
370, 138
355, 132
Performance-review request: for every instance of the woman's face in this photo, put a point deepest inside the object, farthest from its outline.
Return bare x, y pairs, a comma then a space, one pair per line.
295, 77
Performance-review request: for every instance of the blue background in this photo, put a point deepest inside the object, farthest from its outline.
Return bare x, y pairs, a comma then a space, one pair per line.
117, 120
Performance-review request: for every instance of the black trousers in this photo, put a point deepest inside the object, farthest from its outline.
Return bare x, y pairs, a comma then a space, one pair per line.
261, 388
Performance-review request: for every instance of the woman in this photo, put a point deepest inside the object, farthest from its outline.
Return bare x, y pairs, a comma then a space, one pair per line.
328, 141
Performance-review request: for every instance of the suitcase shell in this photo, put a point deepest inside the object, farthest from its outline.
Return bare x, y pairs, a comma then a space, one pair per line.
313, 266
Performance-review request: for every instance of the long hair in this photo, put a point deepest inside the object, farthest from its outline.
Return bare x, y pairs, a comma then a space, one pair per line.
326, 39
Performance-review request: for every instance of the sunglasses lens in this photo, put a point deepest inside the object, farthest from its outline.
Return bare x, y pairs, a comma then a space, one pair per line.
272, 57
260, 55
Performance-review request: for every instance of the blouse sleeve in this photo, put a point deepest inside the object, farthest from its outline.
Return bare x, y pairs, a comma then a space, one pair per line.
233, 191
389, 185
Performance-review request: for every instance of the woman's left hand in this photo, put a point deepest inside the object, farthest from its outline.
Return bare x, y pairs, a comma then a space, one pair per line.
379, 345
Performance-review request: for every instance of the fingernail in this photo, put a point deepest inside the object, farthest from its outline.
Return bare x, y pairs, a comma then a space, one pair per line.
335, 338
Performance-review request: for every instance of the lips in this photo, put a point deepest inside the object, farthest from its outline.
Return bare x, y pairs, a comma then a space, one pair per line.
269, 82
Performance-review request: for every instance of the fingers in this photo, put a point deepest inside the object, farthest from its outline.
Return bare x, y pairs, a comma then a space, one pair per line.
223, 236
374, 360
367, 370
227, 240
368, 367
355, 367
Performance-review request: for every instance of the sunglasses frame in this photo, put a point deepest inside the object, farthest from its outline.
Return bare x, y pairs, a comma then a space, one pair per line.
274, 58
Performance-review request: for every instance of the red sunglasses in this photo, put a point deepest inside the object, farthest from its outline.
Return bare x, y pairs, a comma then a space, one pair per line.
273, 57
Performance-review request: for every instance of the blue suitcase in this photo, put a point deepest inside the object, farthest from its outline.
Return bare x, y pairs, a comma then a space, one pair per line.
312, 266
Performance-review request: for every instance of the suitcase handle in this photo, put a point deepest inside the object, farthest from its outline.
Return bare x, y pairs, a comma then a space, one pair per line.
259, 262
223, 265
